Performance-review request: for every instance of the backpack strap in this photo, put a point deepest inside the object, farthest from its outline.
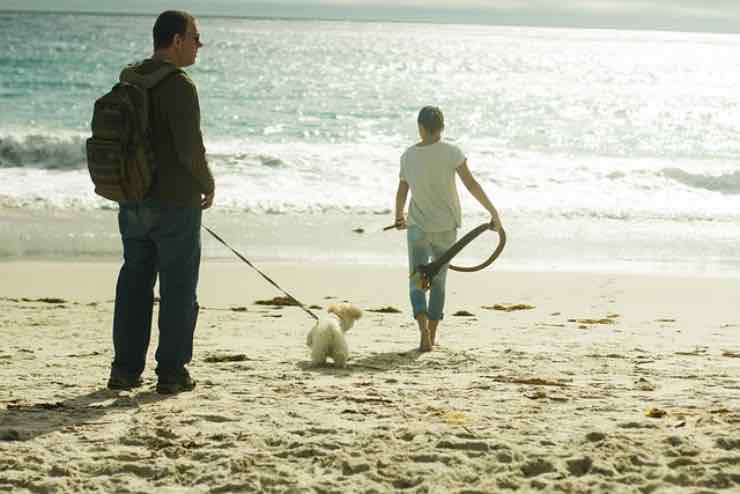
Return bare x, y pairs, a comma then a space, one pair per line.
148, 81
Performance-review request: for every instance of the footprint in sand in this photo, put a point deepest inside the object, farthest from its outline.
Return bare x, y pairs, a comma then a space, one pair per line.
728, 443
536, 467
353, 467
308, 451
682, 462
579, 466
430, 458
469, 446
142, 471
595, 437
407, 483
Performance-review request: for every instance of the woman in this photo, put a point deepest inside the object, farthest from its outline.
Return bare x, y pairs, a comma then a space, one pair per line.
428, 170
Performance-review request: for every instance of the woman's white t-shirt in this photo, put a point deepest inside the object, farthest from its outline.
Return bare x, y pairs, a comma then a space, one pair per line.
430, 173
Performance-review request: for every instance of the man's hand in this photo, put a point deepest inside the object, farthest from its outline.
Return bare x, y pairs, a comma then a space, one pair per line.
400, 223
207, 200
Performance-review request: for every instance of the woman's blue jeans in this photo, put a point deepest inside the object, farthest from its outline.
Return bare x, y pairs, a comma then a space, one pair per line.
425, 247
164, 241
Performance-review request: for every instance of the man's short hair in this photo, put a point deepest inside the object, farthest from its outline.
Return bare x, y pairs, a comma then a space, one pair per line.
169, 23
432, 119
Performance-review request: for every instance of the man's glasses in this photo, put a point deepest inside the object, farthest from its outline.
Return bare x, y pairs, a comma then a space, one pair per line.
196, 37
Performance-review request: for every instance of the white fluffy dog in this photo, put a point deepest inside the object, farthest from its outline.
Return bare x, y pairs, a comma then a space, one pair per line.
326, 338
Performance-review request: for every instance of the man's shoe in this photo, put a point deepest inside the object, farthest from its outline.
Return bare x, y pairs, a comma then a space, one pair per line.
175, 383
120, 381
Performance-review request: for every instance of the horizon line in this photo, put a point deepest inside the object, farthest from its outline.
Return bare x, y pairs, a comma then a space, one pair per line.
362, 19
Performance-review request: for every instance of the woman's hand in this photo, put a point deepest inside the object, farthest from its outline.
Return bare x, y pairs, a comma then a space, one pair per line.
400, 223
495, 224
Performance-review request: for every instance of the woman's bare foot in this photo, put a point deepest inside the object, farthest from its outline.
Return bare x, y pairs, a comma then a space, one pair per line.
425, 345
432, 326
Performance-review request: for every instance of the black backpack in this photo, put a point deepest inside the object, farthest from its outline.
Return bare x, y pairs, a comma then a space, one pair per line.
119, 153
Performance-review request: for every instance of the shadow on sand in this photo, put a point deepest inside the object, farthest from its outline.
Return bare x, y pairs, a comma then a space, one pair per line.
375, 362
26, 421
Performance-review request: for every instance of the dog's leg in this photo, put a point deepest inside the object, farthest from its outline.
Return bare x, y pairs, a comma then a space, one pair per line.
340, 360
340, 352
318, 355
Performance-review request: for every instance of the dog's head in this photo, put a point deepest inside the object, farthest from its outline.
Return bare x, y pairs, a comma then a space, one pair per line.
347, 314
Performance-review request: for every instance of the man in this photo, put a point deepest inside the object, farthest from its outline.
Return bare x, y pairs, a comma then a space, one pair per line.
161, 234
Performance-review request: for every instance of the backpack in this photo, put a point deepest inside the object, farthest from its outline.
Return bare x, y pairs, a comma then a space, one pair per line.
120, 157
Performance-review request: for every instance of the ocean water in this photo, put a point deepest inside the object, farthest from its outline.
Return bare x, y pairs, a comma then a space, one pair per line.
603, 149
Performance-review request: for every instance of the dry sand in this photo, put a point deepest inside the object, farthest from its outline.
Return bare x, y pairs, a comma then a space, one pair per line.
554, 398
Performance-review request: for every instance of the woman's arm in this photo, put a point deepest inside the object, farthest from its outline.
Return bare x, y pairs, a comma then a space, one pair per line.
477, 191
401, 195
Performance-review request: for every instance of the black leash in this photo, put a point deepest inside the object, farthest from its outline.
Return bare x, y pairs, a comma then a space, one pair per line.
429, 271
291, 297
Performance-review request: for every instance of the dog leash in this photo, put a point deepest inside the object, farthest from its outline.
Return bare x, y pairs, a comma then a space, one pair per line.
430, 270
269, 280
427, 272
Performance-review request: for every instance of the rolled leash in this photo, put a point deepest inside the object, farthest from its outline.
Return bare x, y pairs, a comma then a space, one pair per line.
425, 273
291, 297
497, 252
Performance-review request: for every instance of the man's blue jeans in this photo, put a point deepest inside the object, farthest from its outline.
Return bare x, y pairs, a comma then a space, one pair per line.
165, 241
425, 247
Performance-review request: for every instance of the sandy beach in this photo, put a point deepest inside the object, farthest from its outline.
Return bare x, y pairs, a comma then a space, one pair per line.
599, 354
597, 383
